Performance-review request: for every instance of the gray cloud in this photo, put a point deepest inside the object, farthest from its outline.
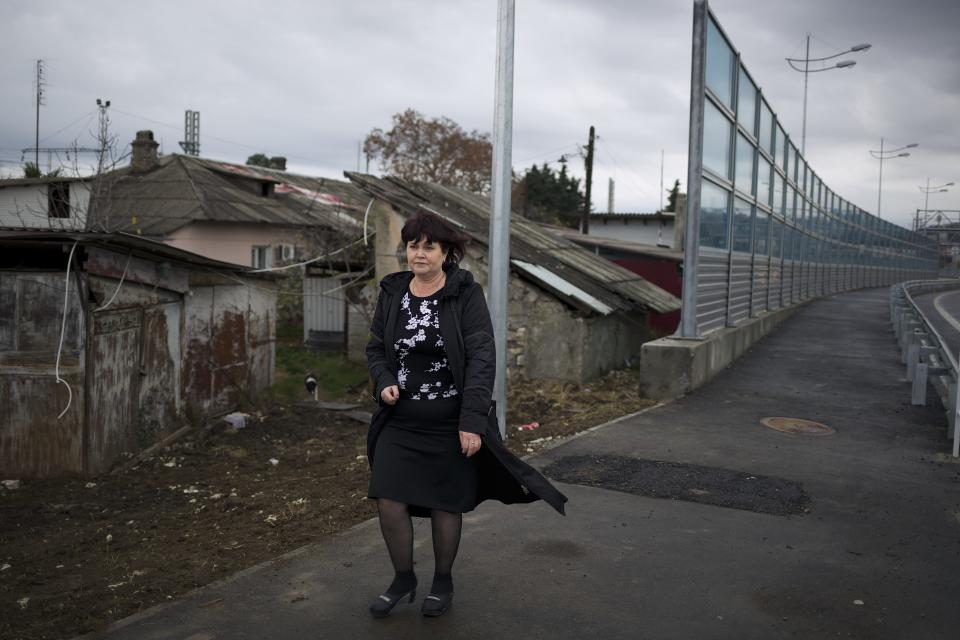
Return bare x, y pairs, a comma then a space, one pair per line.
310, 79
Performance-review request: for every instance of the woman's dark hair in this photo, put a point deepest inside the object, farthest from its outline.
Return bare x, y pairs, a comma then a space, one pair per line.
435, 229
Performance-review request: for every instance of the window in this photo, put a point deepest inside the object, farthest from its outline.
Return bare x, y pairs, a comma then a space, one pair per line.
713, 216
260, 257
781, 149
58, 200
742, 225
763, 181
744, 177
761, 230
747, 104
766, 128
719, 70
716, 141
777, 205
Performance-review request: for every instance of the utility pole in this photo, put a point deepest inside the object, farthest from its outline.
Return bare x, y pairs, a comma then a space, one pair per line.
585, 220
498, 255
610, 187
40, 102
661, 180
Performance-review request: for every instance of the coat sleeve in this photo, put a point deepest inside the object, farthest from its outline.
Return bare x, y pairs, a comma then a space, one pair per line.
480, 357
380, 372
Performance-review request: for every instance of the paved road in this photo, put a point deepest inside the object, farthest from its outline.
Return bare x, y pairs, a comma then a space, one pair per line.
942, 308
876, 556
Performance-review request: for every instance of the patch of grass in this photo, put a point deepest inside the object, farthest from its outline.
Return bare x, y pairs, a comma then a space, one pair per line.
290, 331
335, 374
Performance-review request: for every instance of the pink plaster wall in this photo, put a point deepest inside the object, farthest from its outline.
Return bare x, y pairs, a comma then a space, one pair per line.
231, 241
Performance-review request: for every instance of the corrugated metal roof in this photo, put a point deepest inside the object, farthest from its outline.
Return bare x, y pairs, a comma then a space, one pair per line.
562, 287
186, 189
603, 281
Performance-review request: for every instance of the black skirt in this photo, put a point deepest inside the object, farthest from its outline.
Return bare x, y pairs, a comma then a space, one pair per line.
419, 462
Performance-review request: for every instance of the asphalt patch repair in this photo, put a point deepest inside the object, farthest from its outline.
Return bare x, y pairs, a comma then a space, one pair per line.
678, 481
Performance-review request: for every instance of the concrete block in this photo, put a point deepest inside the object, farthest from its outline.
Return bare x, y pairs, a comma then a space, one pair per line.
671, 367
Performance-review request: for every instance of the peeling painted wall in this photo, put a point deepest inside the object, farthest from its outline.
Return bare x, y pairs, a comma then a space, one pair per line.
33, 443
164, 342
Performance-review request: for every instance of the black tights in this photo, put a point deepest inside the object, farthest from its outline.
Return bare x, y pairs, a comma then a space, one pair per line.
397, 529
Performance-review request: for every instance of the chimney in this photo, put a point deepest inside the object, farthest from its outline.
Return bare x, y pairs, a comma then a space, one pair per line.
144, 154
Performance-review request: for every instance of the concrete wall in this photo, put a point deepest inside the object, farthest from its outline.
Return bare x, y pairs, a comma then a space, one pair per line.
671, 367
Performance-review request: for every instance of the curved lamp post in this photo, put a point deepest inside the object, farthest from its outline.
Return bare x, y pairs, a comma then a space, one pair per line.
806, 71
927, 190
888, 154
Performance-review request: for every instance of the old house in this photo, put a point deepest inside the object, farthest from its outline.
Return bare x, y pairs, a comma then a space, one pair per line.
264, 218
51, 202
252, 216
572, 314
109, 341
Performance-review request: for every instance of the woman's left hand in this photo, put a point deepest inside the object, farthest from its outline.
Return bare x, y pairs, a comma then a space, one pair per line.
470, 443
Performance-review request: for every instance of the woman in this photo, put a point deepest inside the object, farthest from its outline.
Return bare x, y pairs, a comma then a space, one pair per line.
434, 446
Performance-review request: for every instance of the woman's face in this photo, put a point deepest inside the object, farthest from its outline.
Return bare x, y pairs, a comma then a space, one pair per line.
425, 258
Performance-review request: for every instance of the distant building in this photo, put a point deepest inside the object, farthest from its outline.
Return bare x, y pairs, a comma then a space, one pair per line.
642, 228
51, 202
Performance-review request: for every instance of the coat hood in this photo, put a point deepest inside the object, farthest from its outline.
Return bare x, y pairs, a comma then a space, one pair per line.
457, 280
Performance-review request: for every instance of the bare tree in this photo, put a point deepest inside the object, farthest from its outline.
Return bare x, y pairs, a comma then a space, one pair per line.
435, 150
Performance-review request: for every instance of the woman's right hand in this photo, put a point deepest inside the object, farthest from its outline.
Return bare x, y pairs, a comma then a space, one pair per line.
390, 394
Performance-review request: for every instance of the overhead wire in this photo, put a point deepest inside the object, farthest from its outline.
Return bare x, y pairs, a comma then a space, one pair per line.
119, 284
63, 330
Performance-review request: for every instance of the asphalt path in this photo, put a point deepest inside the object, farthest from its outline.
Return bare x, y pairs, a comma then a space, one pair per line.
942, 309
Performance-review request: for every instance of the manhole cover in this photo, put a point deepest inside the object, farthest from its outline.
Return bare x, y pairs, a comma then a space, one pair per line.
798, 426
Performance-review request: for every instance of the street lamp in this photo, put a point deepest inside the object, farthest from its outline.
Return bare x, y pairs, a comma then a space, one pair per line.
806, 71
888, 154
927, 190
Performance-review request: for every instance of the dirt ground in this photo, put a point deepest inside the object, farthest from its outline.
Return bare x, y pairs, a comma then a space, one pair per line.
76, 555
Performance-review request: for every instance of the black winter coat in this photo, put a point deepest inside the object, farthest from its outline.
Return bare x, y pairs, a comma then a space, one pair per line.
468, 339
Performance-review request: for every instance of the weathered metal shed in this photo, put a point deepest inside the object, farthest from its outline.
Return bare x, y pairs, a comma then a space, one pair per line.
108, 342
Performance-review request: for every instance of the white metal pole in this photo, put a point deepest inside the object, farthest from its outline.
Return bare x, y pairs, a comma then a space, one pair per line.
806, 77
499, 253
880, 182
691, 242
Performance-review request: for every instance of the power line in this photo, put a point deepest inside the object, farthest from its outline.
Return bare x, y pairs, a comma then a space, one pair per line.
225, 141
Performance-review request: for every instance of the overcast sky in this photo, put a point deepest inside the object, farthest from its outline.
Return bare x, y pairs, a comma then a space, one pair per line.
308, 80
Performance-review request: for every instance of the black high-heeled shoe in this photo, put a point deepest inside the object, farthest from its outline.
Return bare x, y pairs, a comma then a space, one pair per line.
384, 603
436, 604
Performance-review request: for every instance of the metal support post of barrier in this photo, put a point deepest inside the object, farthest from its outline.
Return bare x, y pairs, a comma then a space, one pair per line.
955, 414
918, 394
908, 338
913, 359
951, 408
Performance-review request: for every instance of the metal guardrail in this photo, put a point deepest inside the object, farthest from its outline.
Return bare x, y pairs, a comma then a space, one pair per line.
924, 351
